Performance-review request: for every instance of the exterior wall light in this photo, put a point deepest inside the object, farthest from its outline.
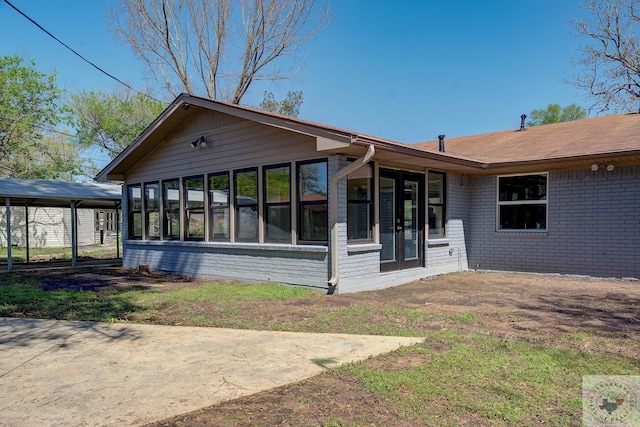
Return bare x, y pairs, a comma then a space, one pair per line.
595, 167
202, 142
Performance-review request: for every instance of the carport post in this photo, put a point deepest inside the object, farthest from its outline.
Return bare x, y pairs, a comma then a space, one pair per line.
74, 234
118, 231
8, 219
26, 231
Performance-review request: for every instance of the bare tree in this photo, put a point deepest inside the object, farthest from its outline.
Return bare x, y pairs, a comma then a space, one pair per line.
611, 63
205, 47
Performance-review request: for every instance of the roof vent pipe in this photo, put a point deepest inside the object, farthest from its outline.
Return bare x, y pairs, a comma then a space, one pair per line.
441, 143
522, 117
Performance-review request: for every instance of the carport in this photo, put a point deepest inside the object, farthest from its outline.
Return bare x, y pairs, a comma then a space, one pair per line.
58, 194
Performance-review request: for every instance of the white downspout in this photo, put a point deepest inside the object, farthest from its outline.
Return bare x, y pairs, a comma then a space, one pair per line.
333, 191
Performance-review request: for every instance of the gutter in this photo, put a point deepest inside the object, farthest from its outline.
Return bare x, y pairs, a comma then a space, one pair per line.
333, 191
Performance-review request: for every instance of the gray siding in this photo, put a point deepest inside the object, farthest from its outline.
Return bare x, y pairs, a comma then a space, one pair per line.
593, 227
233, 146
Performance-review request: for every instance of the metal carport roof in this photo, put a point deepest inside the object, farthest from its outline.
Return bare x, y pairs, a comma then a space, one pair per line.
56, 194
59, 194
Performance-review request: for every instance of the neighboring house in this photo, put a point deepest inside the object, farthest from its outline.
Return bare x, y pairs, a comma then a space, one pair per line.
51, 227
220, 190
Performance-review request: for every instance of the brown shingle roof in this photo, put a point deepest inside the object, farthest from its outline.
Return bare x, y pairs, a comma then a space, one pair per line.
612, 135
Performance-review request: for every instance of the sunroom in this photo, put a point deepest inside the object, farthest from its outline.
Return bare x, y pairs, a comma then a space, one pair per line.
220, 190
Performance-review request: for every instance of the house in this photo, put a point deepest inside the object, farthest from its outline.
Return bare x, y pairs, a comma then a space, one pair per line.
221, 190
50, 227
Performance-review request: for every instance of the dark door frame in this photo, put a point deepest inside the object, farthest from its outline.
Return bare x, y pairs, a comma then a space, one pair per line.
401, 223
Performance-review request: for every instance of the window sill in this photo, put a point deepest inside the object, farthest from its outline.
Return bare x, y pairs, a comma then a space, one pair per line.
526, 233
282, 247
438, 242
363, 247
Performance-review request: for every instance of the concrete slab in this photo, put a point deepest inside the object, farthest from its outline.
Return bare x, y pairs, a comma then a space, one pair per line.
57, 373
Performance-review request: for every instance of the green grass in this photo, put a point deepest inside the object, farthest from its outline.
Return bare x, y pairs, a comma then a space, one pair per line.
20, 254
28, 300
94, 251
461, 375
483, 378
211, 304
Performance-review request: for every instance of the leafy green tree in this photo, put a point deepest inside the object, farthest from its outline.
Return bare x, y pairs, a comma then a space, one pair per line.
554, 113
55, 156
290, 106
111, 121
30, 110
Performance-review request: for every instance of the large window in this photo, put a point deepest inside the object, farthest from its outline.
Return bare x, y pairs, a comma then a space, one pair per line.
246, 204
134, 211
360, 203
219, 206
152, 210
312, 201
171, 200
436, 216
277, 203
522, 202
194, 207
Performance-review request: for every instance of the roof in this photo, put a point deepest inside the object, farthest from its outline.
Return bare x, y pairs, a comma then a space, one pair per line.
613, 138
186, 106
569, 145
49, 193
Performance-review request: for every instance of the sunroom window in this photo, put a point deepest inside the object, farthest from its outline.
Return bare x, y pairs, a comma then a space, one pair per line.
134, 211
312, 201
194, 208
171, 208
522, 202
219, 206
246, 204
360, 203
277, 203
152, 210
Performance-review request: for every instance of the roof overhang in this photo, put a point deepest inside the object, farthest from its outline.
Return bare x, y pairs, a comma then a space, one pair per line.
564, 163
328, 139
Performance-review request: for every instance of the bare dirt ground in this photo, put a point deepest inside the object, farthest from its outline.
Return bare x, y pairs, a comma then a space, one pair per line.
534, 308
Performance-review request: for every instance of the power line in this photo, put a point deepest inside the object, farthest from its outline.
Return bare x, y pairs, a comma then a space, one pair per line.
48, 129
77, 54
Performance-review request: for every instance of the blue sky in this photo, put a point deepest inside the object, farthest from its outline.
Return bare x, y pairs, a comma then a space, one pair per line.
402, 70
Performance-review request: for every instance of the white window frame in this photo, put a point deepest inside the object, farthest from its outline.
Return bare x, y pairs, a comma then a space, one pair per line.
522, 202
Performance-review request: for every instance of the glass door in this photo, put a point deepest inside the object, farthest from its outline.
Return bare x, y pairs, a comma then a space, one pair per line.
401, 220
